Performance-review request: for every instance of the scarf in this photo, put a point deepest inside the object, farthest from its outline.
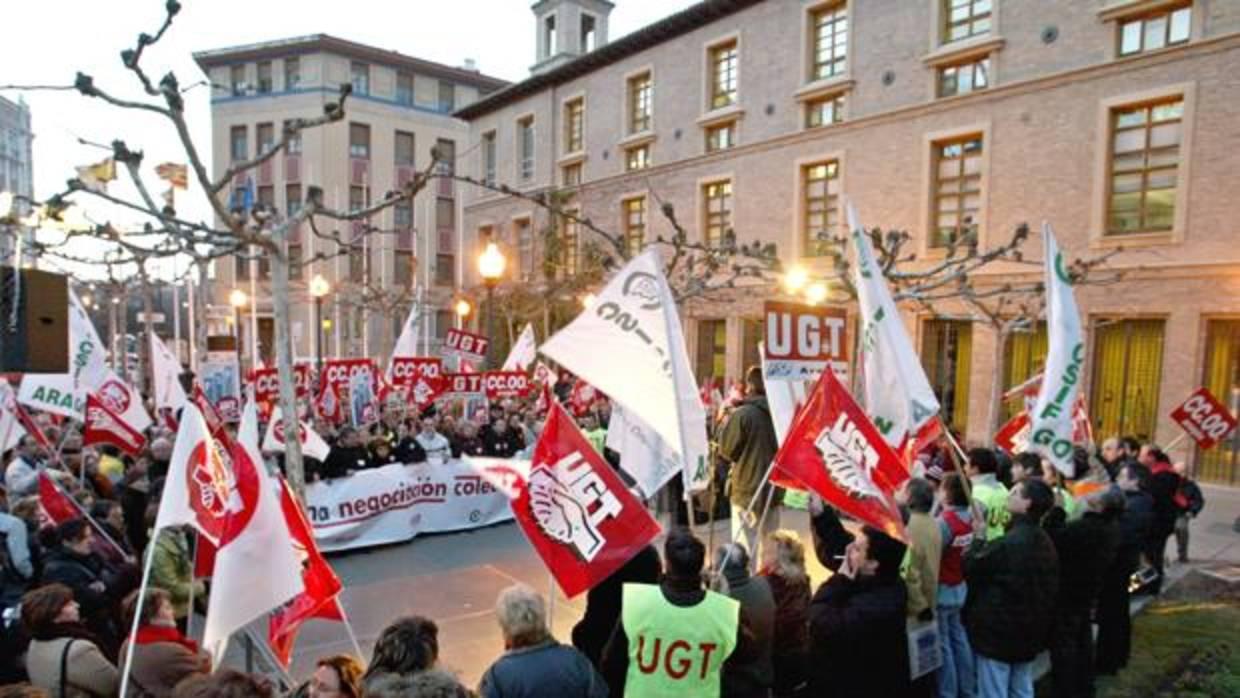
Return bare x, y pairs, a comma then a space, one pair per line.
151, 634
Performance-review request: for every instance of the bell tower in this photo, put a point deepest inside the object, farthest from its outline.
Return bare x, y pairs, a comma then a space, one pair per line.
568, 29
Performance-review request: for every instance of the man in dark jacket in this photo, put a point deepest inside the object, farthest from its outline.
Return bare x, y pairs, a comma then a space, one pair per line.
858, 637
754, 678
1114, 621
347, 455
604, 601
75, 564
1013, 586
1086, 548
748, 442
1163, 485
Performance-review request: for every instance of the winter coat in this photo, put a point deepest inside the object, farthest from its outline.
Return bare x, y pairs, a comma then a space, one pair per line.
921, 569
546, 669
173, 571
1134, 530
341, 460
1086, 549
88, 674
1013, 586
1164, 483
748, 442
791, 640
603, 602
79, 572
162, 659
756, 676
858, 638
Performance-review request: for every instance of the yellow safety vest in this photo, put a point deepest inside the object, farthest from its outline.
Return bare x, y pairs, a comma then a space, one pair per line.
674, 651
994, 497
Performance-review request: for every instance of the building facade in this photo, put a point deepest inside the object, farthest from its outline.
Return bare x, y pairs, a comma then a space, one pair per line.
400, 108
1114, 120
16, 168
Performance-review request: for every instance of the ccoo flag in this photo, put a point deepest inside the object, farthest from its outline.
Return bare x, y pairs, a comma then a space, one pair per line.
630, 345
898, 396
1051, 423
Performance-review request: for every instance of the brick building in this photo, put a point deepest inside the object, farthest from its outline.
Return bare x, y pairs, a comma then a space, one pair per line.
399, 109
1113, 120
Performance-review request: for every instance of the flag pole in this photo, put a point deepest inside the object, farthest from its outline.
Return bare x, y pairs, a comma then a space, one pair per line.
963, 460
137, 616
95, 525
189, 617
348, 627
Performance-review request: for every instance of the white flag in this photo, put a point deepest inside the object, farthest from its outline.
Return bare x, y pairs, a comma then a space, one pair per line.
784, 397
407, 342
312, 444
52, 392
167, 371
199, 490
1051, 424
898, 396
522, 353
630, 345
123, 399
643, 454
257, 568
11, 429
87, 360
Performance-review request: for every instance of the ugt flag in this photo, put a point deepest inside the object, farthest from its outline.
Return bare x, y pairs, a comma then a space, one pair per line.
576, 512
1051, 422
630, 345
834, 451
256, 566
898, 396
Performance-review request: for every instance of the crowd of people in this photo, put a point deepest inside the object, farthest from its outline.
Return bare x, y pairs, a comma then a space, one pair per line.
1005, 556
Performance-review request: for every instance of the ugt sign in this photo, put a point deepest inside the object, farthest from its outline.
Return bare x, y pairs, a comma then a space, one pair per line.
471, 346
1205, 419
802, 341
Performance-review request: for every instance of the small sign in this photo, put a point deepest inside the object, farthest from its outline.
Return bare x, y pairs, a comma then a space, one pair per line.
501, 384
156, 318
1204, 418
802, 340
467, 344
464, 384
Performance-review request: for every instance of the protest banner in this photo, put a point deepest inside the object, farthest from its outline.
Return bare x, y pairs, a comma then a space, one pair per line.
267, 383
338, 372
502, 384
1204, 418
464, 384
466, 345
802, 340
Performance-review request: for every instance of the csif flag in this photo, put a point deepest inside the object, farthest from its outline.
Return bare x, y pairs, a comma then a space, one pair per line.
103, 426
321, 585
630, 345
575, 510
834, 451
257, 567
643, 454
1051, 422
897, 393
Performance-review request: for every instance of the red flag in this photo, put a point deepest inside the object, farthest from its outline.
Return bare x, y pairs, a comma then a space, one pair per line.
329, 406
835, 451
215, 423
34, 430
58, 506
925, 437
103, 426
576, 512
582, 397
322, 585
1013, 436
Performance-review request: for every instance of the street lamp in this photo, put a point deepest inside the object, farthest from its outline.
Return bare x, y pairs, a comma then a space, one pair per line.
238, 299
463, 309
319, 288
795, 279
491, 265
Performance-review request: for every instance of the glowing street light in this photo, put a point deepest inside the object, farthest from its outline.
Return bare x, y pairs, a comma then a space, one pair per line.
795, 279
238, 299
587, 301
491, 265
816, 292
319, 287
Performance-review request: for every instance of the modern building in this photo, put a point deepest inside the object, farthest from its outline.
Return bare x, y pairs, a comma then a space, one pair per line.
16, 168
400, 108
1113, 119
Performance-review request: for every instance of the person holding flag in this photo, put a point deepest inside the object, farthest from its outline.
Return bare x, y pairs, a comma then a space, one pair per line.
748, 442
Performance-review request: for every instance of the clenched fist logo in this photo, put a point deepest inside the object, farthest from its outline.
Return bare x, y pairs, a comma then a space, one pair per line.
561, 516
849, 458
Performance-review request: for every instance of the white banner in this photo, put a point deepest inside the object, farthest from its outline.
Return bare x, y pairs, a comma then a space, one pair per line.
167, 371
395, 503
898, 396
52, 392
1052, 415
523, 352
88, 363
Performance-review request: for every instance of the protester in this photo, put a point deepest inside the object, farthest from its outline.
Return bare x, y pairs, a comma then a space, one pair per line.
406, 647
604, 601
162, 656
1189, 502
594, 432
655, 619
225, 683
466, 441
64, 658
161, 456
173, 570
533, 663
753, 678
337, 676
858, 637
21, 475
783, 567
381, 453
497, 441
1026, 465
1114, 643
1013, 582
74, 564
988, 492
348, 455
1164, 482
921, 567
748, 442
16, 566
957, 677
434, 444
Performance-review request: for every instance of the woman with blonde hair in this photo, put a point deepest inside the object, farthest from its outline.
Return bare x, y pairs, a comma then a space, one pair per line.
783, 565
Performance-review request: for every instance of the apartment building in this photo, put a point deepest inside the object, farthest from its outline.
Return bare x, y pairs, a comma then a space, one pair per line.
16, 171
400, 108
1112, 119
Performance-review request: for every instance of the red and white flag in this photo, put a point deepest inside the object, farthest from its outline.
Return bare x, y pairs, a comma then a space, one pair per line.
214, 422
103, 426
576, 512
257, 567
201, 489
319, 598
834, 451
11, 429
57, 506
312, 444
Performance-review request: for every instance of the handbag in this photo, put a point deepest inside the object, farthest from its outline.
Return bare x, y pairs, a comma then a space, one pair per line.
64, 667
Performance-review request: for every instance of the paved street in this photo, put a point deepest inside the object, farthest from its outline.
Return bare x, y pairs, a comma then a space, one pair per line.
455, 578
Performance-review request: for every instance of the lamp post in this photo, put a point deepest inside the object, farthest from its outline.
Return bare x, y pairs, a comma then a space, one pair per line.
318, 288
491, 265
463, 309
238, 299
